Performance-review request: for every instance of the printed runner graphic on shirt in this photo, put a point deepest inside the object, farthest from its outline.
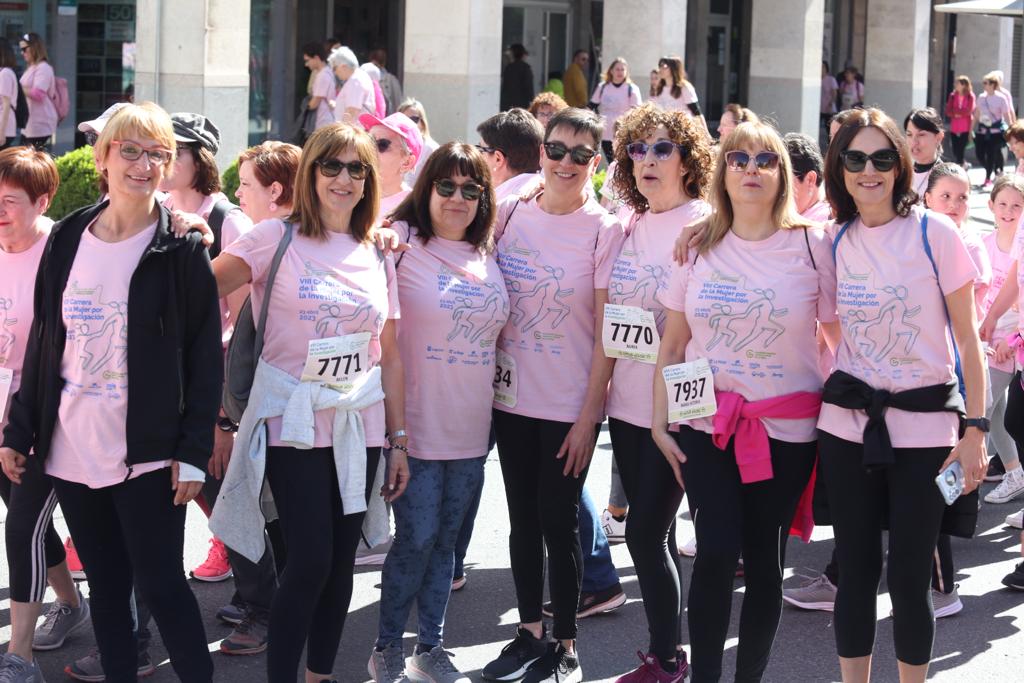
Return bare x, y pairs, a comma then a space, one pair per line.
337, 309
537, 286
7, 337
633, 286
478, 313
98, 332
880, 323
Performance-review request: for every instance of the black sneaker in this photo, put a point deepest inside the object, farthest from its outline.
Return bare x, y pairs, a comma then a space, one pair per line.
556, 666
996, 469
516, 657
602, 601
1015, 579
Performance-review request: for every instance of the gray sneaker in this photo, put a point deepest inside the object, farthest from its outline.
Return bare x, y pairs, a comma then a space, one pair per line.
387, 665
14, 669
435, 666
60, 621
946, 604
373, 556
818, 594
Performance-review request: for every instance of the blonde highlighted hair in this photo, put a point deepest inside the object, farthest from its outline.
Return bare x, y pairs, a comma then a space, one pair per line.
136, 122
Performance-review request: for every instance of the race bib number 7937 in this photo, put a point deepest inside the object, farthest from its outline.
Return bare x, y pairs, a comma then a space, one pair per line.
691, 390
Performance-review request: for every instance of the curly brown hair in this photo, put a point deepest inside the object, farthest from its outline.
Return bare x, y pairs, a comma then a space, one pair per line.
682, 129
548, 99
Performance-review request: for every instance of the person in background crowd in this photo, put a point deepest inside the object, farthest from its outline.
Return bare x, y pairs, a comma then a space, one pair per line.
851, 90
399, 146
378, 94
923, 128
125, 463
38, 82
449, 221
992, 114
868, 175
575, 79
511, 143
1015, 141
28, 182
808, 177
321, 83
664, 165
330, 479
732, 116
674, 92
554, 84
614, 101
266, 174
417, 113
389, 83
1001, 78
545, 105
356, 97
655, 81
829, 94
960, 111
517, 86
8, 93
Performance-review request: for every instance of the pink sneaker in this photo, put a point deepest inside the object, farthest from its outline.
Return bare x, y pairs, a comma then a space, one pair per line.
74, 564
216, 567
650, 671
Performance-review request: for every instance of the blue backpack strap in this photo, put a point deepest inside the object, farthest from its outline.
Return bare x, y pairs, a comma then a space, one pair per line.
949, 322
839, 236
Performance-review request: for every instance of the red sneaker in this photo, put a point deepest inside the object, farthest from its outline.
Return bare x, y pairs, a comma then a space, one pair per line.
650, 671
74, 564
216, 567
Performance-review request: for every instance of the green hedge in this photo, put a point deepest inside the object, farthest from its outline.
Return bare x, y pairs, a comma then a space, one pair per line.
598, 181
79, 183
229, 181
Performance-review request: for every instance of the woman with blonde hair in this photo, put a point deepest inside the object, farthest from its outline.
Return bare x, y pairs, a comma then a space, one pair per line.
616, 95
417, 113
732, 116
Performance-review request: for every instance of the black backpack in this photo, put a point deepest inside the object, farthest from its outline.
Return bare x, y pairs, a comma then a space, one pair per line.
21, 109
218, 213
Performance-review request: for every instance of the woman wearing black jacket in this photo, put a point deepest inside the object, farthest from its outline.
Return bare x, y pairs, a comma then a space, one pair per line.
121, 390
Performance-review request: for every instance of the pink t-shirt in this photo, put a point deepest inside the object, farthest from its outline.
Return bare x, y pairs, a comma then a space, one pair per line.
686, 97
516, 186
89, 443
17, 290
42, 114
324, 288
324, 88
389, 204
455, 306
894, 330
819, 212
614, 101
1001, 262
982, 264
9, 89
992, 108
753, 309
358, 93
639, 273
829, 88
552, 265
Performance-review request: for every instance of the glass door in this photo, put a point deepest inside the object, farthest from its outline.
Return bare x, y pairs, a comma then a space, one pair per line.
718, 61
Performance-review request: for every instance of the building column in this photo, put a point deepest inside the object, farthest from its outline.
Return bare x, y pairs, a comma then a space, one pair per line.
452, 63
643, 31
786, 38
984, 44
896, 55
193, 56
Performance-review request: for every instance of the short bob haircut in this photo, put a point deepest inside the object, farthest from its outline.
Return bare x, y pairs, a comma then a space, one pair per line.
145, 121
547, 99
1015, 132
578, 121
31, 170
451, 158
327, 143
756, 137
638, 123
7, 58
207, 178
518, 136
274, 162
903, 195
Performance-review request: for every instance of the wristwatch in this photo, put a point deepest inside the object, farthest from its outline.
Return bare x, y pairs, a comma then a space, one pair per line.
982, 423
398, 434
225, 424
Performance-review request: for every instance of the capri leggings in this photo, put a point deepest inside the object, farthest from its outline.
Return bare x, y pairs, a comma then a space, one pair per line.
858, 500
1013, 420
654, 498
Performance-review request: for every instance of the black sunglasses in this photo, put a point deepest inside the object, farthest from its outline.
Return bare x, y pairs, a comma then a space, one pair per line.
662, 149
883, 160
470, 191
580, 154
331, 168
738, 160
415, 118
488, 150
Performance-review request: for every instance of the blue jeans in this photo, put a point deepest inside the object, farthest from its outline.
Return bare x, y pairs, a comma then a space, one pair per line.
421, 562
598, 571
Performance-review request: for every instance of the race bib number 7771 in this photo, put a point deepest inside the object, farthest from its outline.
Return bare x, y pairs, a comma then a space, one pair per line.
337, 361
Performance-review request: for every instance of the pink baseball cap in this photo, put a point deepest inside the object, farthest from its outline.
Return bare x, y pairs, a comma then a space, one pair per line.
400, 124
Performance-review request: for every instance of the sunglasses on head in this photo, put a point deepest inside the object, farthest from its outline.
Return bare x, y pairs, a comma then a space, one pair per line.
132, 151
883, 160
470, 190
331, 168
662, 149
580, 154
738, 160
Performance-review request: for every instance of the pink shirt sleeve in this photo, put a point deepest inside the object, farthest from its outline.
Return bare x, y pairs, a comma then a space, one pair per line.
258, 246
821, 248
674, 296
323, 84
609, 244
952, 259
394, 311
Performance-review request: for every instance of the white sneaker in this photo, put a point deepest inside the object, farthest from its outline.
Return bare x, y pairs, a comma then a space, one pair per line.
613, 528
1016, 520
1009, 488
689, 549
946, 604
373, 556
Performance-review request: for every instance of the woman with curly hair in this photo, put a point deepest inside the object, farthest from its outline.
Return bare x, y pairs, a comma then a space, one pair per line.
546, 105
747, 458
663, 170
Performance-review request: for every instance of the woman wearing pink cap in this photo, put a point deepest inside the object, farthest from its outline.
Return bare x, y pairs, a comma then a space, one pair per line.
399, 144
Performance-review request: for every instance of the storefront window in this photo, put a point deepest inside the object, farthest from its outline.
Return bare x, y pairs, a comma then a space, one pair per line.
106, 56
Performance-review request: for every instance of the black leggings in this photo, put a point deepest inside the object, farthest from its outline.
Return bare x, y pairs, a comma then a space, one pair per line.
33, 545
133, 530
959, 146
41, 144
315, 588
654, 498
543, 506
609, 151
989, 148
1013, 419
859, 501
733, 518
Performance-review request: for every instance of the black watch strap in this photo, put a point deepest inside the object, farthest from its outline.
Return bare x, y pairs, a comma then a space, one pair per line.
226, 425
982, 423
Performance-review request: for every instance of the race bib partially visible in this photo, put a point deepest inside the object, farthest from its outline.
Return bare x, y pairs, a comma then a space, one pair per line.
506, 384
691, 390
338, 361
629, 332
6, 379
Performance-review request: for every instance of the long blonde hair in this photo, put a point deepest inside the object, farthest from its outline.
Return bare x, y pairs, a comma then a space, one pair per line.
755, 136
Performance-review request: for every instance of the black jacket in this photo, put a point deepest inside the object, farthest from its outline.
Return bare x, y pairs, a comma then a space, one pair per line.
175, 364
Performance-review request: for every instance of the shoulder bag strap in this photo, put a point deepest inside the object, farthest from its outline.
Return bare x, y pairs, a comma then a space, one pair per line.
949, 322
282, 247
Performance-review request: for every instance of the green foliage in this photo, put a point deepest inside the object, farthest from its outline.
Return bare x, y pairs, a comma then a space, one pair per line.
79, 183
598, 180
229, 181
